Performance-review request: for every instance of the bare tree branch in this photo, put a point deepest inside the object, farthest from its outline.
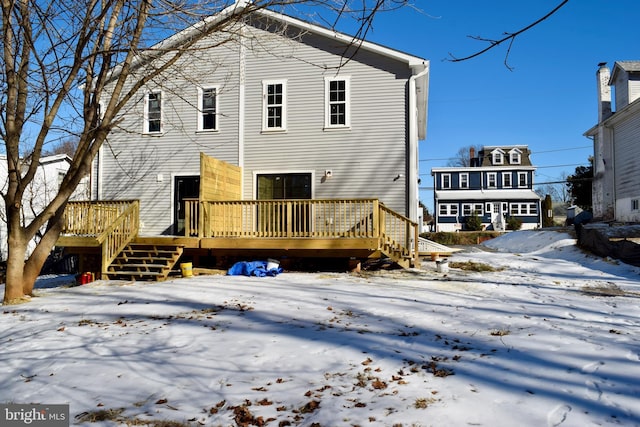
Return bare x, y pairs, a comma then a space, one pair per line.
510, 37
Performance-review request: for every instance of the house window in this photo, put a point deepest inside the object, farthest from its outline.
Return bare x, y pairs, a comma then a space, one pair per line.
498, 157
208, 102
337, 103
467, 209
153, 112
477, 208
515, 157
635, 205
491, 180
274, 96
506, 180
524, 209
448, 209
522, 179
445, 180
464, 180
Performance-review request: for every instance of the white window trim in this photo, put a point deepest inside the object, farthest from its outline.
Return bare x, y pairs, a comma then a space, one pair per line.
327, 103
495, 179
445, 187
448, 209
497, 155
526, 180
478, 209
504, 174
467, 209
145, 122
515, 156
265, 85
465, 174
199, 109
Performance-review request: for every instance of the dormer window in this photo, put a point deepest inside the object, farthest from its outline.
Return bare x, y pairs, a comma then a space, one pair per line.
515, 156
497, 157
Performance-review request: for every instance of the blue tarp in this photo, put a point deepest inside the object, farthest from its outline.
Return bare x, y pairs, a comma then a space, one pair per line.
252, 268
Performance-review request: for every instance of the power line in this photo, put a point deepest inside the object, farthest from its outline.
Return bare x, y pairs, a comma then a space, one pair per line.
532, 153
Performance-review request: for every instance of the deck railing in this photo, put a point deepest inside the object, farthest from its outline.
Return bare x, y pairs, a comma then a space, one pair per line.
344, 218
113, 224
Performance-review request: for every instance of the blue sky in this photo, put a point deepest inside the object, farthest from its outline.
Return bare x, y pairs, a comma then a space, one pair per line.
546, 102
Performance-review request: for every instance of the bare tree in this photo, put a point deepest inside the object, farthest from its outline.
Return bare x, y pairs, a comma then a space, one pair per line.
59, 59
463, 156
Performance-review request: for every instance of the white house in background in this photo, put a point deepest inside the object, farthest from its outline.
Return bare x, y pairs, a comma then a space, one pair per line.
281, 101
616, 144
497, 185
42, 189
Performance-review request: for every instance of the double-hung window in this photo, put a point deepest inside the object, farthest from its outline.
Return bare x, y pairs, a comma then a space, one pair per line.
522, 179
506, 180
208, 108
446, 180
492, 180
274, 101
464, 180
337, 105
153, 112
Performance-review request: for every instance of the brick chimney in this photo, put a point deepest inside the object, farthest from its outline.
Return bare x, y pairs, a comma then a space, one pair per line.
472, 156
604, 92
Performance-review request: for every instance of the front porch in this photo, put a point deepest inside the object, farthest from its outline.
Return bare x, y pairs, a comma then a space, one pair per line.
338, 228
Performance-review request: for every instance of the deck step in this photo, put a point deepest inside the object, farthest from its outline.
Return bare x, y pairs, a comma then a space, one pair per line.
145, 262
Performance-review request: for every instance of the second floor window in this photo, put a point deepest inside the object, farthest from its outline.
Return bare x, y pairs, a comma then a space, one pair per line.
506, 180
464, 180
274, 101
336, 103
491, 180
153, 112
446, 180
522, 179
208, 102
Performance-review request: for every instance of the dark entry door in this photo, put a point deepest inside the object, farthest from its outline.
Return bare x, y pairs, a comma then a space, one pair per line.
186, 187
284, 187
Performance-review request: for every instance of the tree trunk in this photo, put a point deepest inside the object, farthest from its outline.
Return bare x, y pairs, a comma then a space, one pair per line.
14, 282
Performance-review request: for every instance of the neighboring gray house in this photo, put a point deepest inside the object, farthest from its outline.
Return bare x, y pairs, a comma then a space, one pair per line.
616, 144
497, 185
282, 102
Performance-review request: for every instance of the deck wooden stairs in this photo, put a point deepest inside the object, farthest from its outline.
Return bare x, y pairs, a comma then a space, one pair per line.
139, 261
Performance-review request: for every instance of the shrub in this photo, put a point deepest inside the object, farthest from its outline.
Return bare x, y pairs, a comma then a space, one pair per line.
514, 223
474, 223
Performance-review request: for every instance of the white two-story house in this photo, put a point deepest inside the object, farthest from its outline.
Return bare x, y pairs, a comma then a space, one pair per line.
497, 185
616, 144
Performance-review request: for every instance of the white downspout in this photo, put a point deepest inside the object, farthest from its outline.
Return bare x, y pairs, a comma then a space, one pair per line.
413, 146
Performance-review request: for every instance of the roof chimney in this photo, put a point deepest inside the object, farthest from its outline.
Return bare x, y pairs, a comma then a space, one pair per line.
604, 92
472, 155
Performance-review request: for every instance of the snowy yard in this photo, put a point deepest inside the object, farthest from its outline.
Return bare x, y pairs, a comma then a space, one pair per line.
550, 338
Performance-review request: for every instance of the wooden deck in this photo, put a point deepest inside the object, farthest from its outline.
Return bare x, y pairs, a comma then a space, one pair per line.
354, 228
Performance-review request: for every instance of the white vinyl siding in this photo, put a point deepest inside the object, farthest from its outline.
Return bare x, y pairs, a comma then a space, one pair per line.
337, 102
274, 110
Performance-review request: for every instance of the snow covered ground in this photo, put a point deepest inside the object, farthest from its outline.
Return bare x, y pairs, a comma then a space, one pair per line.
551, 338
